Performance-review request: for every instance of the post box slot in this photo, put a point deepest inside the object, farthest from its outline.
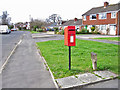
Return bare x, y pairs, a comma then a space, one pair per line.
71, 29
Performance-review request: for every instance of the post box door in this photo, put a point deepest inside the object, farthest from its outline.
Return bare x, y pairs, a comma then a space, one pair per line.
71, 40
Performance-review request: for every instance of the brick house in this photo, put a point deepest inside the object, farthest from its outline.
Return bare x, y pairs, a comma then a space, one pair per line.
105, 18
74, 22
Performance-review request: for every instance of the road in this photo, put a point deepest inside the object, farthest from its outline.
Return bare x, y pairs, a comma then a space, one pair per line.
8, 42
105, 85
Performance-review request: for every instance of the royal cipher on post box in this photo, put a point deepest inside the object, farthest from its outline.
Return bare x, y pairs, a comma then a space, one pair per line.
70, 36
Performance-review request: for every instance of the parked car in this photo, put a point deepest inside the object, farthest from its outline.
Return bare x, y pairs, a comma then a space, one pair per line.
4, 29
13, 29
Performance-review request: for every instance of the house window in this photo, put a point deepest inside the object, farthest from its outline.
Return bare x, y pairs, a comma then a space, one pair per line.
102, 16
102, 27
93, 17
84, 17
113, 14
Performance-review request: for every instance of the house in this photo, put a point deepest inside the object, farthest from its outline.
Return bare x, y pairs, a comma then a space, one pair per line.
105, 18
56, 24
21, 25
75, 22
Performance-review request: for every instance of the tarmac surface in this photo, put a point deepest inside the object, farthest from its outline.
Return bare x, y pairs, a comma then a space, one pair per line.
8, 42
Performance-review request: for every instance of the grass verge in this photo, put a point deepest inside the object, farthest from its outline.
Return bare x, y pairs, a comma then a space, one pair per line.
56, 55
34, 31
110, 38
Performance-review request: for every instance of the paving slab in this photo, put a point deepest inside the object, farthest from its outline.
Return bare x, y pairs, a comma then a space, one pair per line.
88, 78
105, 74
81, 79
84, 79
67, 82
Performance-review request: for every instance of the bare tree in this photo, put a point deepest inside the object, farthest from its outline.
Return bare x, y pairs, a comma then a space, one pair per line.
54, 18
38, 23
5, 19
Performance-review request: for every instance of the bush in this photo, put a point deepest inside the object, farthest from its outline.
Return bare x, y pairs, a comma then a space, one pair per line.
85, 31
19, 28
56, 29
34, 28
62, 32
51, 29
92, 28
11, 26
78, 32
39, 30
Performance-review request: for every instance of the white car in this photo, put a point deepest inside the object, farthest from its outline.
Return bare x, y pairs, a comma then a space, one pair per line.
4, 29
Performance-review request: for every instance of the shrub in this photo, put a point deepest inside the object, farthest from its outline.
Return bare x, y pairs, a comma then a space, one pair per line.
11, 26
62, 32
56, 29
19, 28
92, 28
84, 31
35, 27
51, 29
78, 32
39, 30
24, 28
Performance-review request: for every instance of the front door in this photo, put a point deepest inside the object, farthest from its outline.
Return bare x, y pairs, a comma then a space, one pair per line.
112, 29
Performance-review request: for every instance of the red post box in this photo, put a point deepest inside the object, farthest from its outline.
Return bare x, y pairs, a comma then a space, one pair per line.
70, 36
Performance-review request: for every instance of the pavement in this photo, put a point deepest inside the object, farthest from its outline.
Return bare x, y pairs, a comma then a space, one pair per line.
85, 79
25, 68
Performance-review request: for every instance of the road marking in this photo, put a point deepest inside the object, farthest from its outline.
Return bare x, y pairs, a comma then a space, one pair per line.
6, 61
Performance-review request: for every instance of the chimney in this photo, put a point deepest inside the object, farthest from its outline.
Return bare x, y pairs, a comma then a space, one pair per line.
106, 4
75, 19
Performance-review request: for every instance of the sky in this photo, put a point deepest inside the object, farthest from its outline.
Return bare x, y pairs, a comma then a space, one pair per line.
20, 10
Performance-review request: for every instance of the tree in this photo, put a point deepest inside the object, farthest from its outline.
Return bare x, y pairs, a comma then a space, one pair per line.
5, 19
54, 18
38, 23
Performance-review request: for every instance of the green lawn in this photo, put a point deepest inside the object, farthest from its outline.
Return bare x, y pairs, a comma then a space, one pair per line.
34, 31
110, 38
56, 55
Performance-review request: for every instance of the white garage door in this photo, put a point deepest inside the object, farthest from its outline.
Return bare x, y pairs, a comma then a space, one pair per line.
112, 29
